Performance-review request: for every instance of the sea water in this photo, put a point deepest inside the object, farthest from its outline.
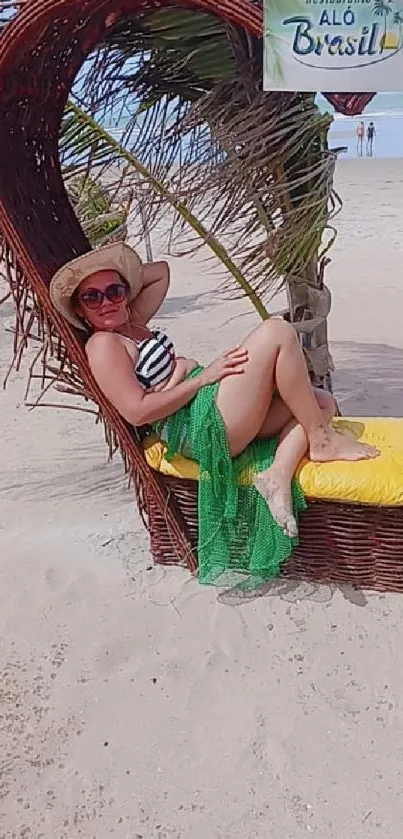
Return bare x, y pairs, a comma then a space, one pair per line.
385, 111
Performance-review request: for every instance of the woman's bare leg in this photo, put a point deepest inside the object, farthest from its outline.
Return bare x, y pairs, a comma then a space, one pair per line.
275, 483
278, 415
276, 358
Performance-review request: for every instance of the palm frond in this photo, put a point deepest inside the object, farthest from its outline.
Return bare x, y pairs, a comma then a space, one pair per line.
83, 139
253, 167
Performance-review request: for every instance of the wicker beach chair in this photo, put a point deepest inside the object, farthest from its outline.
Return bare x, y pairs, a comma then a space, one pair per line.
40, 55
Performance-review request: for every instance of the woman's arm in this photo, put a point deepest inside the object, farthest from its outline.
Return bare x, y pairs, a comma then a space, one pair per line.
113, 369
183, 367
155, 278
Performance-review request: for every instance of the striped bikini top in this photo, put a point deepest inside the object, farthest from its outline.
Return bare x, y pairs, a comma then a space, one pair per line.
156, 360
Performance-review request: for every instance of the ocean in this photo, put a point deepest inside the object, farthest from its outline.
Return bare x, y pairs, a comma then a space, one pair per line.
385, 111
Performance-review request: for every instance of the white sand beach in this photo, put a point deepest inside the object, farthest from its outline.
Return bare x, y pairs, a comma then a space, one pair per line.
135, 703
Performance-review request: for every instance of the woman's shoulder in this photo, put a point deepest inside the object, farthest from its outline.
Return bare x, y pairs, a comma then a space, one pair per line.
103, 343
100, 340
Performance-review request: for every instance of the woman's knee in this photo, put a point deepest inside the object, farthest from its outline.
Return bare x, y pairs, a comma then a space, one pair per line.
278, 331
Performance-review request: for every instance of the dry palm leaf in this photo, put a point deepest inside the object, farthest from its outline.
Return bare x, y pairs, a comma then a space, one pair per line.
253, 167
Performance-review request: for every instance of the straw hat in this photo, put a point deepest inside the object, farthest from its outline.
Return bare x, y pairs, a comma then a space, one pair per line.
115, 257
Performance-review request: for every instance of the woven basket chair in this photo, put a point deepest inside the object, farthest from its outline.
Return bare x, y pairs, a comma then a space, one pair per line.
40, 55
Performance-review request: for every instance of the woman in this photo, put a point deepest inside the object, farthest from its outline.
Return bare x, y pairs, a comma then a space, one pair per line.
221, 414
360, 137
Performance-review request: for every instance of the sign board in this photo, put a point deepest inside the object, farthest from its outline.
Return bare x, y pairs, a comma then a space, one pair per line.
333, 45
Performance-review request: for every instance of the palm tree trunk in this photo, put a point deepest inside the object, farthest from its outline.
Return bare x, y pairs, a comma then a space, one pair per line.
309, 301
309, 305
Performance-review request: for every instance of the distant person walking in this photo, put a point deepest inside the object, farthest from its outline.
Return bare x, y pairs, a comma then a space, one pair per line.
370, 139
360, 138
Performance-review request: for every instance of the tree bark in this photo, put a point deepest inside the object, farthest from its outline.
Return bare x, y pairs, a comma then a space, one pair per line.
309, 302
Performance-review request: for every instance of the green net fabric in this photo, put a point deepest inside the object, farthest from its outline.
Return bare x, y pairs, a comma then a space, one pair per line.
239, 541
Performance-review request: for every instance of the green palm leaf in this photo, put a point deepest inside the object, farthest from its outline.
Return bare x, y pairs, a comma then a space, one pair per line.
80, 134
254, 168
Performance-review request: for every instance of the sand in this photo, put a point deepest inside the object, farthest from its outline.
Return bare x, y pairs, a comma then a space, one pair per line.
135, 703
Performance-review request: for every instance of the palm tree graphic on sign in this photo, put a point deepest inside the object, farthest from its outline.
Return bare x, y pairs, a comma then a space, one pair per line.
389, 40
398, 20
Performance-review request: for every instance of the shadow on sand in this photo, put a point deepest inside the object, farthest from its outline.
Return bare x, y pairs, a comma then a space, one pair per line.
368, 380
293, 591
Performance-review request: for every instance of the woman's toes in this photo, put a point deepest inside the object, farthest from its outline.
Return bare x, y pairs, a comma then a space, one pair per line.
291, 528
277, 495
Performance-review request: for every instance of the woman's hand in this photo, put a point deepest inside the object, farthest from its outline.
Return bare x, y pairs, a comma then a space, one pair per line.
231, 363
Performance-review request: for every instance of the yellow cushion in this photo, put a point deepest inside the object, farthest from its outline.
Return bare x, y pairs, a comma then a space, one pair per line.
377, 481
178, 467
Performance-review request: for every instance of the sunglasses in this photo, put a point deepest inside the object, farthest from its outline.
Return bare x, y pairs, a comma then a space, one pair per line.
94, 297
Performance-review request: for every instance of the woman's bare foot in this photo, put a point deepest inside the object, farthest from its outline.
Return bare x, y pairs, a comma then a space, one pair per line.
328, 445
276, 491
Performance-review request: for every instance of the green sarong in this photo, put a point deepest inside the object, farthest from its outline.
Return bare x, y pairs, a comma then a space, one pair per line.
239, 541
